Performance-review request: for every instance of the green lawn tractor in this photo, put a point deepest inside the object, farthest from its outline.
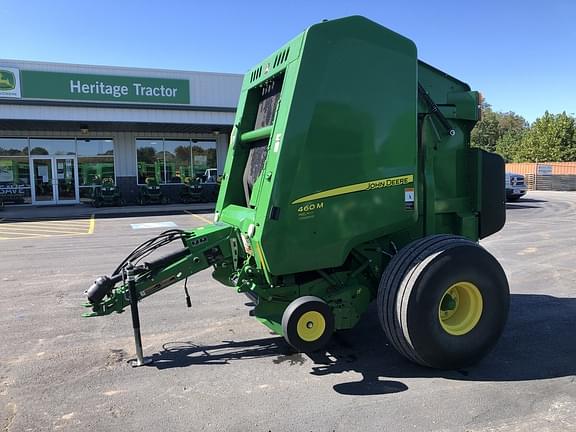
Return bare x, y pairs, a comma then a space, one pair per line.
191, 191
199, 191
349, 179
106, 194
150, 192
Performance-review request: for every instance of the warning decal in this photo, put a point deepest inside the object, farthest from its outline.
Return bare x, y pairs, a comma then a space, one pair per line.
409, 198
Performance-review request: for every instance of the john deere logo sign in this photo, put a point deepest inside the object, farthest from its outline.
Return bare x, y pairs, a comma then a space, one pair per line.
9, 82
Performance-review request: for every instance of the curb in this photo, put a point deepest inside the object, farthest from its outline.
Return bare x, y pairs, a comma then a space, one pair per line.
100, 213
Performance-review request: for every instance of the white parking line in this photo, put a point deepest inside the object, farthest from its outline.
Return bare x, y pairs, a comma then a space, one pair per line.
149, 225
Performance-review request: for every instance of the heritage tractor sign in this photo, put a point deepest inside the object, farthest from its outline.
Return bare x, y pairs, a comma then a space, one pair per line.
107, 88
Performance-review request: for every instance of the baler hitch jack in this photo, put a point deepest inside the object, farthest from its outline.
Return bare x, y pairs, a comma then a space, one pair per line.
131, 279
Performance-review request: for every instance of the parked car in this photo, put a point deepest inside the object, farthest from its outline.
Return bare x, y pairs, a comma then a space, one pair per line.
515, 186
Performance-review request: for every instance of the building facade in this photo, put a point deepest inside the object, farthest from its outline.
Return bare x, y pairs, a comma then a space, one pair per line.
65, 128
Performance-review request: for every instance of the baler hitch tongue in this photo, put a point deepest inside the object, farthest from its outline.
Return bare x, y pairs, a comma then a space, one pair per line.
135, 279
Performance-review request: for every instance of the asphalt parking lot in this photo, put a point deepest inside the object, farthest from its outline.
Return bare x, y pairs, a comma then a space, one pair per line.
218, 369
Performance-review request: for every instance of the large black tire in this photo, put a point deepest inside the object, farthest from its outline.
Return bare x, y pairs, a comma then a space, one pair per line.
307, 324
443, 301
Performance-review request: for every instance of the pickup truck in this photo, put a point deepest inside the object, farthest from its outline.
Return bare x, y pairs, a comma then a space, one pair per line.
515, 186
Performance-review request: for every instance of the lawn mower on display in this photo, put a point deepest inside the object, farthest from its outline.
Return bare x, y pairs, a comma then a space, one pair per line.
106, 194
191, 191
150, 192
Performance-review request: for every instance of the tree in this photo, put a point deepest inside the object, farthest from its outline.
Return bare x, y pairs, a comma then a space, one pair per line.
183, 153
485, 133
551, 138
497, 131
507, 145
511, 123
146, 154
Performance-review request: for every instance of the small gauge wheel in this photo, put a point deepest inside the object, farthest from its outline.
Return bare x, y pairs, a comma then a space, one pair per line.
307, 324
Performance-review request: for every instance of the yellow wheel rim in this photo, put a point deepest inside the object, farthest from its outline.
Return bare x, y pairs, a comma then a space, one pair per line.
460, 308
311, 326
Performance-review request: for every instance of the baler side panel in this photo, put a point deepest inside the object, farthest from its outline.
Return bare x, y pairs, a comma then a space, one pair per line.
351, 126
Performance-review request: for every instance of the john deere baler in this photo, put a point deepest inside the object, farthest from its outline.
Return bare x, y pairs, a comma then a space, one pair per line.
349, 178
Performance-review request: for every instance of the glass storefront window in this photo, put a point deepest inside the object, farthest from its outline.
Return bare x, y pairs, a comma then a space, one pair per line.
174, 161
13, 147
150, 160
42, 146
95, 147
177, 155
95, 159
203, 156
92, 170
15, 180
95, 163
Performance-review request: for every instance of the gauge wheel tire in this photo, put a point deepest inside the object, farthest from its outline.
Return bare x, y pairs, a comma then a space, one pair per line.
307, 324
443, 301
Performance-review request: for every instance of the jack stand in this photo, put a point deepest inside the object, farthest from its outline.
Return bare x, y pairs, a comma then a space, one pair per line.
140, 360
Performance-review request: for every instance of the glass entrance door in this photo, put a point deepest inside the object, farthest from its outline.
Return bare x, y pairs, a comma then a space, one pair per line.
55, 180
43, 181
65, 180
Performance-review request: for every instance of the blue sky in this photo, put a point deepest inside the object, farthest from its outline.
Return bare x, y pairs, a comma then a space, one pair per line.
520, 54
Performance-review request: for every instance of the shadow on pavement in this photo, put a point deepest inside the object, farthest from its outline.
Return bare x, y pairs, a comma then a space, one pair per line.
531, 200
183, 354
524, 203
520, 207
538, 343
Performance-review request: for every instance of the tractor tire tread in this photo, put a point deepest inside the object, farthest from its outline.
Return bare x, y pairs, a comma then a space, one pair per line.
397, 282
